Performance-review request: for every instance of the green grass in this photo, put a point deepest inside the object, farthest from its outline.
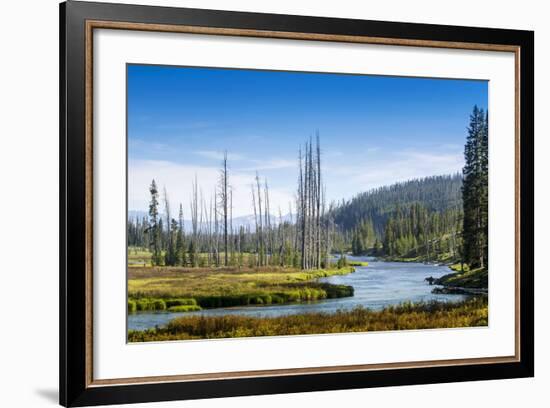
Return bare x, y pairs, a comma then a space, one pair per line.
459, 268
184, 308
141, 257
143, 304
442, 258
227, 287
473, 312
146, 304
138, 257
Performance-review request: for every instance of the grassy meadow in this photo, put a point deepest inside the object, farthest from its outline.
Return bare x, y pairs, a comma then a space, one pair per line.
470, 313
190, 289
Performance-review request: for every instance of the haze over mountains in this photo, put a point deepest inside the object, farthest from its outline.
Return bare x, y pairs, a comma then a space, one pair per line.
436, 193
244, 221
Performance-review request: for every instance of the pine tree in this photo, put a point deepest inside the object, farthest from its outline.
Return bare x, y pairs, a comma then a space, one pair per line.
475, 191
154, 225
180, 243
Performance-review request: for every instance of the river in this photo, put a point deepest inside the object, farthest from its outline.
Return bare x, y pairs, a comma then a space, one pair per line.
378, 285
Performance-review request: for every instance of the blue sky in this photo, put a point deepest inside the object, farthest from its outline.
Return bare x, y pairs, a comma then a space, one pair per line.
374, 130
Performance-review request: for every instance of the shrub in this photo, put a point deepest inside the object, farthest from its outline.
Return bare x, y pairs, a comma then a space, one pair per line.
132, 306
158, 304
342, 261
180, 302
277, 298
142, 304
338, 291
257, 301
184, 308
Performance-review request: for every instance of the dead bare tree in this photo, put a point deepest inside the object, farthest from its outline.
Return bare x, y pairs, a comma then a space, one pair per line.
255, 220
224, 198
269, 234
302, 213
231, 244
260, 230
309, 205
194, 223
216, 232
318, 196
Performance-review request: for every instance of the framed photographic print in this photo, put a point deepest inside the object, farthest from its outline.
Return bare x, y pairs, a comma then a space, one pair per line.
256, 203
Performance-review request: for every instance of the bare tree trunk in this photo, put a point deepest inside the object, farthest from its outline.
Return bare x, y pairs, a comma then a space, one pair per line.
281, 238
202, 231
224, 198
310, 200
293, 230
269, 232
231, 223
302, 212
318, 202
194, 221
216, 231
261, 238
255, 221
209, 231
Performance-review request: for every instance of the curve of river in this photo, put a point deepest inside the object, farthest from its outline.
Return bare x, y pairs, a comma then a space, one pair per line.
376, 286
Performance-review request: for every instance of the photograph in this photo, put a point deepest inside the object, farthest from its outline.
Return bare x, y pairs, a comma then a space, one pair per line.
258, 201
278, 203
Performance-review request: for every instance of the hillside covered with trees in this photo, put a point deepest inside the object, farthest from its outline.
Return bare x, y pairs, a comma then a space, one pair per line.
416, 218
442, 218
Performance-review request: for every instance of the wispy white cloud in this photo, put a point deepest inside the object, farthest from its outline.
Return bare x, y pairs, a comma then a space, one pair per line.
346, 180
218, 155
178, 178
147, 145
452, 146
333, 153
269, 164
343, 179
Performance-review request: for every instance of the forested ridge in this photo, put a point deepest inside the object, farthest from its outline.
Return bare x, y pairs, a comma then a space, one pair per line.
442, 218
419, 218
436, 193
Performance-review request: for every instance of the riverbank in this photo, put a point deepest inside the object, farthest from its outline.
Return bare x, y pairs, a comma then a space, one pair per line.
461, 281
357, 263
464, 280
190, 289
408, 316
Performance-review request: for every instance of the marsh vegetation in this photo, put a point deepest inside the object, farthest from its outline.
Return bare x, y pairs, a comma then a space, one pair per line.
277, 260
401, 317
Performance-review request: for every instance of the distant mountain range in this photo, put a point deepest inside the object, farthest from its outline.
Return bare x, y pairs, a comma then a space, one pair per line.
244, 220
436, 193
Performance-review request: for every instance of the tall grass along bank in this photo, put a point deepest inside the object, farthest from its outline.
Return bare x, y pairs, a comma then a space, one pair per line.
473, 312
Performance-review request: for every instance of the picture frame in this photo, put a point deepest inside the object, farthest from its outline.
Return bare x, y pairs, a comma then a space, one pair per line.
79, 21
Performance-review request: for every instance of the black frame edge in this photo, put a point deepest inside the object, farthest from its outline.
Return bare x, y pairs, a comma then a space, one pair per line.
527, 198
72, 387
62, 207
72, 203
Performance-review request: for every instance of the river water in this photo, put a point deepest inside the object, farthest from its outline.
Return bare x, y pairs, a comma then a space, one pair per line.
378, 285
